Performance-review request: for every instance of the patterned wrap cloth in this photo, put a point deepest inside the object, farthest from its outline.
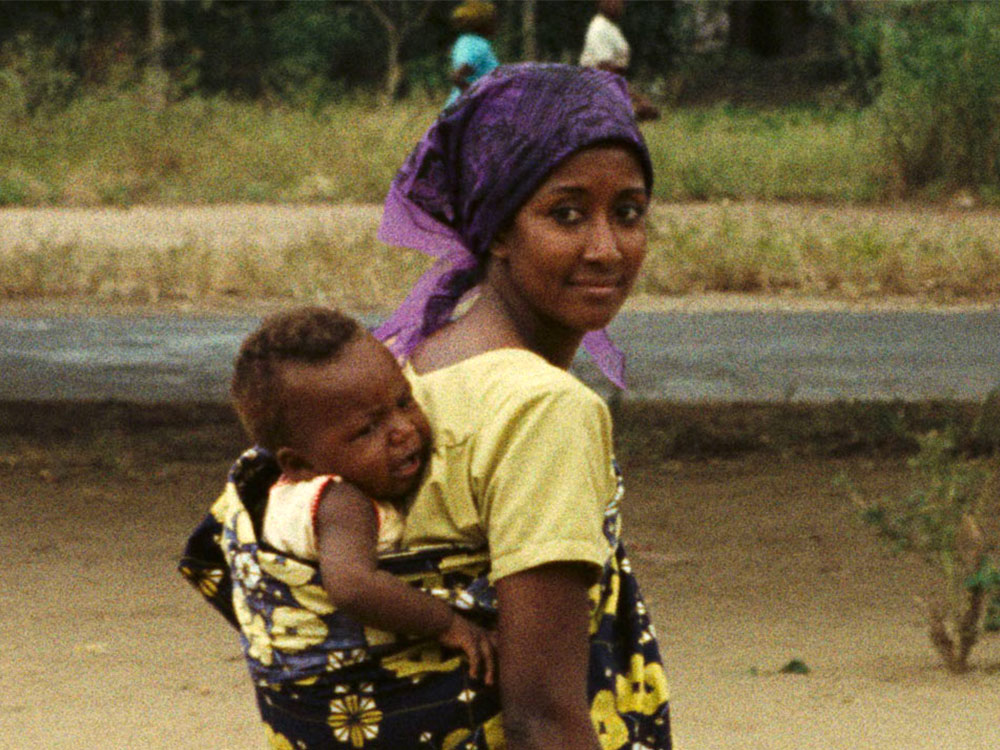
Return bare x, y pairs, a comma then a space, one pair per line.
478, 164
324, 682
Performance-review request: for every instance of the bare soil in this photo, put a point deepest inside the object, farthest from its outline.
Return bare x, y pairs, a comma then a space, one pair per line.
748, 561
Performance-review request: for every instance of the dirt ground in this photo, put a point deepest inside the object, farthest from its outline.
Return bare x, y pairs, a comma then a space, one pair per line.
746, 562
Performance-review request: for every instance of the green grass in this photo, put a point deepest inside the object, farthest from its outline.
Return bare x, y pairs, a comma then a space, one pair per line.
119, 152
782, 200
796, 154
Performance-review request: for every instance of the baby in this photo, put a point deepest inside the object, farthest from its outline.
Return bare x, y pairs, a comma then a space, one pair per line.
331, 403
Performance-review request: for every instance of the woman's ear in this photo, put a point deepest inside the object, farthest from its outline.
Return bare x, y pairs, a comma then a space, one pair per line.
293, 464
499, 247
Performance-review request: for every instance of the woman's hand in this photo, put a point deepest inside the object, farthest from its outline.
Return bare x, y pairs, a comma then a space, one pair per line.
544, 653
478, 644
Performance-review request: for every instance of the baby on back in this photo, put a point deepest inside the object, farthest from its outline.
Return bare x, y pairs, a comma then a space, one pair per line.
330, 402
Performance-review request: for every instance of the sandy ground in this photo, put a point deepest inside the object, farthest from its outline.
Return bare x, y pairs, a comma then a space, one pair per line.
746, 564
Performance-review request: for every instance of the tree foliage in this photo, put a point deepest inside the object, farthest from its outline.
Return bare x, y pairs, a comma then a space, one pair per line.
939, 104
926, 69
252, 49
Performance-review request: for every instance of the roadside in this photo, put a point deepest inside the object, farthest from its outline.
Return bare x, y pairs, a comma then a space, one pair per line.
703, 256
748, 555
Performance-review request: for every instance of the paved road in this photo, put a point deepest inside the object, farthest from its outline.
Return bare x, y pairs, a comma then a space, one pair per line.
682, 356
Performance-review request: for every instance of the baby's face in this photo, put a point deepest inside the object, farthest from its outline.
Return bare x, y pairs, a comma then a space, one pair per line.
356, 417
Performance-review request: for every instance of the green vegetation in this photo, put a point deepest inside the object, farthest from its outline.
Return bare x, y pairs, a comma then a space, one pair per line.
855, 103
948, 520
264, 103
938, 113
120, 152
790, 154
795, 666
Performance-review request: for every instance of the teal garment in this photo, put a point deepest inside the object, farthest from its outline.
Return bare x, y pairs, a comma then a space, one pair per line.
475, 51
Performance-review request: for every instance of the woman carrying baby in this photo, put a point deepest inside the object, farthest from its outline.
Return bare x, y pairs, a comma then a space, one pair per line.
531, 190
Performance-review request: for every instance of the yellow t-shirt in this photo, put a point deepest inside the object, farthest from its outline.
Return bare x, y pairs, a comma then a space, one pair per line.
522, 462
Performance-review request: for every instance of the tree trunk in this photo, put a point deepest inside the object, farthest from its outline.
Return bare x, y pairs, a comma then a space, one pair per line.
395, 32
155, 75
529, 36
394, 69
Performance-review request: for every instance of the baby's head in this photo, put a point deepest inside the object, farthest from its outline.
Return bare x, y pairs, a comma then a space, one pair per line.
326, 397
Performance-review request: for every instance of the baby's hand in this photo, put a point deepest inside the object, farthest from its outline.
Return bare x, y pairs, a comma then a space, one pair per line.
478, 644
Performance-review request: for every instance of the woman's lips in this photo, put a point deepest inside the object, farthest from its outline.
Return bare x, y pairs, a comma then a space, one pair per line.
598, 287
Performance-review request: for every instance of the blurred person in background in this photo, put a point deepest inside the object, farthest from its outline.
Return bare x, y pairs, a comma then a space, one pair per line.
472, 55
606, 48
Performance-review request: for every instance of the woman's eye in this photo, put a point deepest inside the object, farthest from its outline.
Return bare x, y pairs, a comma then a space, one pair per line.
364, 431
567, 215
404, 401
630, 213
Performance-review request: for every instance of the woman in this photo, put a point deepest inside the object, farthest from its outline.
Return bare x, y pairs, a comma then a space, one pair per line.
535, 188
605, 47
532, 191
472, 55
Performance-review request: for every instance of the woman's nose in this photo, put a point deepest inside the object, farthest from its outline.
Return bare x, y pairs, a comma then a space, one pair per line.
602, 246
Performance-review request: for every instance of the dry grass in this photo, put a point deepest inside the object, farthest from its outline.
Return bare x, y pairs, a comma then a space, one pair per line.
215, 255
841, 252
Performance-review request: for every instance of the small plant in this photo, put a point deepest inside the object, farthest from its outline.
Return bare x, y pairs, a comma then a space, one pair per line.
795, 666
948, 520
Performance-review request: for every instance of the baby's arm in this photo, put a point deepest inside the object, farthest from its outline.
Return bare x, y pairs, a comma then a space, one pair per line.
346, 530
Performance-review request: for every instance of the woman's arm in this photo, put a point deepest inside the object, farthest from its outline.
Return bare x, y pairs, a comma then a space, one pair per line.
460, 76
346, 531
543, 657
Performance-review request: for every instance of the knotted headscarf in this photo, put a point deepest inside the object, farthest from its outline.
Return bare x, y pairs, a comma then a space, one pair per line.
473, 14
478, 164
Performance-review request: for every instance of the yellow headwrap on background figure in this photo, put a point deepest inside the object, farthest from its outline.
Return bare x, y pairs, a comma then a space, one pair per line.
473, 14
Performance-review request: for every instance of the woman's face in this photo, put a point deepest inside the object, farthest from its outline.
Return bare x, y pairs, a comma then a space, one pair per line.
574, 249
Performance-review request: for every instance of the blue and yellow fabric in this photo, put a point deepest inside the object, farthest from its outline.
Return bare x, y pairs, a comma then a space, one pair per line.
324, 681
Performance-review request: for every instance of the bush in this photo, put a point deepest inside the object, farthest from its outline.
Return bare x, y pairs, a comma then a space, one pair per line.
34, 77
949, 520
938, 112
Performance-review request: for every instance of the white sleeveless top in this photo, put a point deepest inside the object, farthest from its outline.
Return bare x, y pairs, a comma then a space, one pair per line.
290, 517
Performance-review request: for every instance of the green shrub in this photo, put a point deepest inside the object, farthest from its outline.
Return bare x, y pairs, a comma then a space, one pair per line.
948, 520
34, 77
938, 113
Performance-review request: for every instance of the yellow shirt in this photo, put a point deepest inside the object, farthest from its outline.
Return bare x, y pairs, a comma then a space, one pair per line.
522, 462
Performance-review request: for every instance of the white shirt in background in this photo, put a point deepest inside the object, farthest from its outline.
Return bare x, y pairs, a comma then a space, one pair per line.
604, 44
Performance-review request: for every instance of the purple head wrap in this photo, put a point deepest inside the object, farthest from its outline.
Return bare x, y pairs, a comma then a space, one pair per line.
478, 164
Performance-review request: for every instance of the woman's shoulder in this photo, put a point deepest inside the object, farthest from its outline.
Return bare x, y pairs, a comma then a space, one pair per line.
504, 374
499, 383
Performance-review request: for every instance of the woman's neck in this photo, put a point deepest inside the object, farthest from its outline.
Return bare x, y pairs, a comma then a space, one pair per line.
490, 323
521, 328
